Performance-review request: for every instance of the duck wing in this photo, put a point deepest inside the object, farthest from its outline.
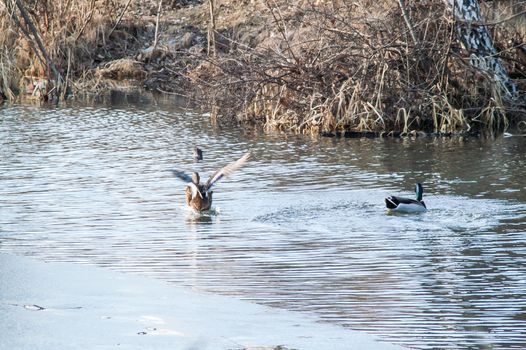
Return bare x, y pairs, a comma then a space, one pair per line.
226, 171
196, 190
403, 200
188, 179
182, 175
391, 202
394, 202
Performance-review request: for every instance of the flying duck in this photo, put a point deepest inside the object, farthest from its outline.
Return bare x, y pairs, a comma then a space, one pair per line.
198, 195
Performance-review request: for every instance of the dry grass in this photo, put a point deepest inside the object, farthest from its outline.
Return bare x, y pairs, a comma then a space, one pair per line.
7, 73
353, 65
122, 69
77, 35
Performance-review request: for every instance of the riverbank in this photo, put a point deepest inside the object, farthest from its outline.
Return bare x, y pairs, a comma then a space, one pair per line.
307, 67
67, 306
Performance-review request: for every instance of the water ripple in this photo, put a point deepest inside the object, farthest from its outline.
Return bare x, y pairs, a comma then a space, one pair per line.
302, 227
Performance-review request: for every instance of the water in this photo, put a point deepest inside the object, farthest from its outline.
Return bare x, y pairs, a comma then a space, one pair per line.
302, 227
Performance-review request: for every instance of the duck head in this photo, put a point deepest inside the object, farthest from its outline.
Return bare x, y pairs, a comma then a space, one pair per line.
195, 178
198, 153
419, 190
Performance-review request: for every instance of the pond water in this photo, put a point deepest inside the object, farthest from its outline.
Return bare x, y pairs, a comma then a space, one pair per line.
302, 226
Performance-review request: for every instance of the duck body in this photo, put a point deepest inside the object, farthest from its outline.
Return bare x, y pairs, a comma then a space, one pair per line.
197, 197
407, 205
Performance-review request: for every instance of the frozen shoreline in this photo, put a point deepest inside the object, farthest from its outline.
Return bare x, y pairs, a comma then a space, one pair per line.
69, 306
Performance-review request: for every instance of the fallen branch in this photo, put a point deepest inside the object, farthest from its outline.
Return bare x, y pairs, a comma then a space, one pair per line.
407, 20
156, 37
120, 18
88, 19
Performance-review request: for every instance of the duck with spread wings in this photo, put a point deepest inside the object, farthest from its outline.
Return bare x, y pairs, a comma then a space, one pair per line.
198, 195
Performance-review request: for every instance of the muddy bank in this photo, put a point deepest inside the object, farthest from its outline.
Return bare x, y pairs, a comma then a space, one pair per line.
309, 67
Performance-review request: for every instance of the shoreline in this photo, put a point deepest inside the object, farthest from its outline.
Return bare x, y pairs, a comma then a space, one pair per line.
332, 70
69, 306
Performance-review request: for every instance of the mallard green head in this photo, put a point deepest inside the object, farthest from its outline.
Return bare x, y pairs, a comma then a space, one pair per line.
419, 190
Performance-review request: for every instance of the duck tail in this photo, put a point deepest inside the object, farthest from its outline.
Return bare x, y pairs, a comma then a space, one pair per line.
391, 203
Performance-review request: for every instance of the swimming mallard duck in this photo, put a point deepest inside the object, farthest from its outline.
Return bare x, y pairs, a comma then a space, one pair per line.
395, 203
199, 196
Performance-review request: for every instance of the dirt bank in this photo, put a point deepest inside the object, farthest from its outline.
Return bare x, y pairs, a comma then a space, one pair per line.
303, 65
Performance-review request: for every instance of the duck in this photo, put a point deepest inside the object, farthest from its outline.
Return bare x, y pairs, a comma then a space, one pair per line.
407, 205
198, 154
199, 195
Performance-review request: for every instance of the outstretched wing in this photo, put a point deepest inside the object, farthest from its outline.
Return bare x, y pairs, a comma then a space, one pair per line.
226, 170
182, 175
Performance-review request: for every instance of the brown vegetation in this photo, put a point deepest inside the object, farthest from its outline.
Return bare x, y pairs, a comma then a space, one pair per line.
342, 65
78, 36
302, 65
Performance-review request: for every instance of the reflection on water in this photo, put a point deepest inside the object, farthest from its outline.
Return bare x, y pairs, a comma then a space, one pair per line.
302, 226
